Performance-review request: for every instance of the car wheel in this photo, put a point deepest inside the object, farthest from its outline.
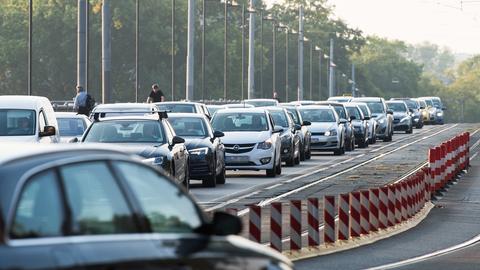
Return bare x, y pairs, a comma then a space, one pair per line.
297, 159
221, 177
302, 153
291, 159
272, 172
186, 180
210, 181
339, 151
308, 154
410, 131
278, 169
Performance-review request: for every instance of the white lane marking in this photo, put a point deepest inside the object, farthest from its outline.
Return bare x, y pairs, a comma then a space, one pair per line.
268, 201
274, 186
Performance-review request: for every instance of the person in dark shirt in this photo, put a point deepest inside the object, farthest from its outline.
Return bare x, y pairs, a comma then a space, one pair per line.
156, 95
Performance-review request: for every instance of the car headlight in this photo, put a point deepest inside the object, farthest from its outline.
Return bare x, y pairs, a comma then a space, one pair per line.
198, 151
154, 161
265, 145
440, 114
332, 132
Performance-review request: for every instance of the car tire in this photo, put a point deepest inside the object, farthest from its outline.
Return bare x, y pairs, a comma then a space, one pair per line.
273, 171
278, 169
221, 177
410, 131
302, 152
339, 152
297, 159
210, 181
186, 180
291, 159
308, 154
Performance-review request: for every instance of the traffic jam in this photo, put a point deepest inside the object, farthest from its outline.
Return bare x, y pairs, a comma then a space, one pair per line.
122, 174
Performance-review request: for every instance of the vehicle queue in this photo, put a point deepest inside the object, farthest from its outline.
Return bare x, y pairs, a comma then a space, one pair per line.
117, 191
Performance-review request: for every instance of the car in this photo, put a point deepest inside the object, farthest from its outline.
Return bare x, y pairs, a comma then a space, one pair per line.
27, 119
290, 139
372, 123
123, 109
205, 148
423, 111
76, 206
252, 141
381, 114
414, 108
261, 102
328, 130
150, 136
343, 114
360, 124
71, 125
439, 109
183, 107
238, 105
302, 102
304, 132
432, 111
402, 118
213, 108
340, 99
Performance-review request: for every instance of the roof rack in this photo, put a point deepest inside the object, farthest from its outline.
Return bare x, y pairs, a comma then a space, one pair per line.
161, 114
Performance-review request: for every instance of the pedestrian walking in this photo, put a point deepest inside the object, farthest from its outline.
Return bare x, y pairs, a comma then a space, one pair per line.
83, 103
156, 95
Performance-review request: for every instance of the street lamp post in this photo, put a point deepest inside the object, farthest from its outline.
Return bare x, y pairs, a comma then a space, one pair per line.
243, 50
311, 70
261, 53
173, 49
30, 11
319, 50
227, 3
137, 18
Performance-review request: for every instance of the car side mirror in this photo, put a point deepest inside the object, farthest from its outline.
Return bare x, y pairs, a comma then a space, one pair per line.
306, 123
343, 121
352, 117
226, 224
177, 140
298, 127
218, 134
277, 129
422, 108
47, 131
73, 140
410, 110
366, 118
444, 108
389, 112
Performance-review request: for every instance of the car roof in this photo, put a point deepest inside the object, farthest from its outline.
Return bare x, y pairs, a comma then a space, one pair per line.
275, 108
70, 115
178, 102
124, 106
333, 103
243, 110
147, 116
186, 115
310, 107
260, 99
367, 99
395, 101
22, 102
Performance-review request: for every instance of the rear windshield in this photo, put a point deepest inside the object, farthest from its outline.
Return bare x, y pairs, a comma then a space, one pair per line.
340, 111
364, 109
261, 103
71, 126
230, 121
318, 115
279, 118
177, 108
293, 112
353, 111
126, 131
17, 122
397, 107
376, 107
189, 126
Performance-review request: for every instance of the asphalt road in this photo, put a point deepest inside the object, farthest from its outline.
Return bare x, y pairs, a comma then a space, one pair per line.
454, 220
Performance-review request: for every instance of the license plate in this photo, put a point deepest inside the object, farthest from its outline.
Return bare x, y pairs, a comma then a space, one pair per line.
234, 159
315, 140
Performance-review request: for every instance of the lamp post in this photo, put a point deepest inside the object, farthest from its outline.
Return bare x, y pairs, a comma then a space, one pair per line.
30, 11
319, 50
173, 49
137, 18
226, 3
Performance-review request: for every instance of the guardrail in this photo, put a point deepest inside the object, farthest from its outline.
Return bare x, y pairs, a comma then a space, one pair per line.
362, 212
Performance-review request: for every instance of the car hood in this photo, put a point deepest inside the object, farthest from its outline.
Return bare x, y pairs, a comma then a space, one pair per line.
399, 115
26, 139
196, 142
146, 150
321, 126
357, 123
245, 137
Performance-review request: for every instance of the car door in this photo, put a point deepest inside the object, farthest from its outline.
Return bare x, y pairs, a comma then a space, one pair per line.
179, 152
36, 234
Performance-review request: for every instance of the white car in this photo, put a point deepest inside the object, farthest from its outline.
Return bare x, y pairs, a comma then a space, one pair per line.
71, 125
328, 131
251, 140
122, 109
27, 119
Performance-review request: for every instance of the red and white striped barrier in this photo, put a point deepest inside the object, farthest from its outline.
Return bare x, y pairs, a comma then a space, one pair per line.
409, 189
295, 225
403, 193
276, 226
374, 204
329, 219
313, 222
391, 205
398, 203
383, 208
364, 211
255, 225
355, 229
344, 217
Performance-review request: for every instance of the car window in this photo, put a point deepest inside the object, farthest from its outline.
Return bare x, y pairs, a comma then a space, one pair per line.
189, 126
279, 118
341, 111
39, 211
355, 112
71, 126
177, 108
126, 131
261, 103
397, 107
230, 121
318, 115
15, 122
41, 121
364, 109
293, 113
167, 208
376, 107
96, 201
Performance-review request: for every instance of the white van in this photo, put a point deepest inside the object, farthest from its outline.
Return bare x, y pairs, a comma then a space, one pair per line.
27, 119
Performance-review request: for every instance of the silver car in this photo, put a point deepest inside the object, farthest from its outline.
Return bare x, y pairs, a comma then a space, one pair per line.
372, 123
327, 128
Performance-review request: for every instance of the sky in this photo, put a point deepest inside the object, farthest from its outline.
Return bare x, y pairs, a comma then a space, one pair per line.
443, 22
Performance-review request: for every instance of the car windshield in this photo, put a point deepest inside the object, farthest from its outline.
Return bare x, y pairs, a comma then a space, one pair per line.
318, 115
126, 131
436, 103
233, 121
189, 126
340, 111
397, 107
353, 111
376, 107
212, 110
177, 108
422, 103
261, 103
411, 104
429, 102
71, 126
293, 112
279, 118
17, 122
364, 109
